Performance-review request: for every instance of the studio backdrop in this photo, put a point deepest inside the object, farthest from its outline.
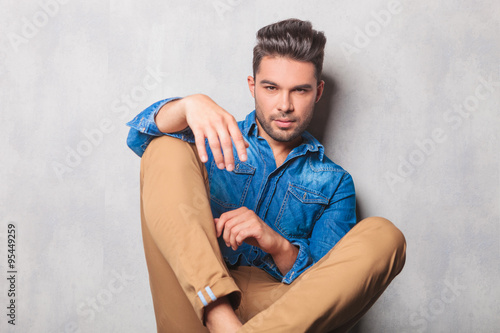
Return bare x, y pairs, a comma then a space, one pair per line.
411, 110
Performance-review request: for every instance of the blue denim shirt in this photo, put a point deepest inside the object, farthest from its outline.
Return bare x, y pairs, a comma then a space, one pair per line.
308, 199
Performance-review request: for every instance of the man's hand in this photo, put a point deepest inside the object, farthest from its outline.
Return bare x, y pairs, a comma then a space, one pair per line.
207, 120
243, 225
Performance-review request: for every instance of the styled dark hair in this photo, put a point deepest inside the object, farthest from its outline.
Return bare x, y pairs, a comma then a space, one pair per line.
292, 38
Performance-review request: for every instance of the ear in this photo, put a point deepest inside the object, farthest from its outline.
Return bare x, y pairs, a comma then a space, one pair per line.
251, 85
319, 92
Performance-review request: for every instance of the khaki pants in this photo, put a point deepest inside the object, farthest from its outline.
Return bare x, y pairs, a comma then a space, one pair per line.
185, 264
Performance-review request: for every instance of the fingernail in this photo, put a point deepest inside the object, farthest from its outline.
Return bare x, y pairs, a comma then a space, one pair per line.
220, 166
229, 167
243, 157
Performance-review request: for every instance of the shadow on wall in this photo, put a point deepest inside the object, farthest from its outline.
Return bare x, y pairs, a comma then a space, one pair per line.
325, 115
325, 110
324, 120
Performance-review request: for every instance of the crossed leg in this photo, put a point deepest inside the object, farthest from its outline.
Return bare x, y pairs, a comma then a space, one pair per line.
187, 272
334, 293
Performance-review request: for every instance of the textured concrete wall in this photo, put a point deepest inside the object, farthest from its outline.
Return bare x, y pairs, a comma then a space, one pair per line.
412, 111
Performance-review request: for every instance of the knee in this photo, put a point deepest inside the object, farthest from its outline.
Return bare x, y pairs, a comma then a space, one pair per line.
165, 150
389, 234
389, 243
168, 145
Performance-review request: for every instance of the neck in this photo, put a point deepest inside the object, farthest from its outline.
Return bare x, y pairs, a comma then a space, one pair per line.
280, 149
280, 154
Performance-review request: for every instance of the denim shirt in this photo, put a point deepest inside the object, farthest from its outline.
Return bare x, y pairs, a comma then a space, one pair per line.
309, 199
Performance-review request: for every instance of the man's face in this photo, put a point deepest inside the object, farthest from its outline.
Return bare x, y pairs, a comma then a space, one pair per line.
285, 92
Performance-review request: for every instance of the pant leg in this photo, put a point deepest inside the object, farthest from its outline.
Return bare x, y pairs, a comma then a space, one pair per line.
182, 252
173, 311
334, 293
259, 290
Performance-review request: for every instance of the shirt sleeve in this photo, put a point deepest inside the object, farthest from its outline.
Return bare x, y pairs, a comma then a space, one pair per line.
338, 218
143, 128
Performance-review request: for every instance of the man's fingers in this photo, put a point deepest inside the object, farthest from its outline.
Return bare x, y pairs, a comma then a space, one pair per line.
220, 222
240, 143
209, 121
219, 226
232, 240
227, 148
222, 148
213, 141
232, 213
221, 139
199, 140
237, 234
238, 226
241, 236
231, 227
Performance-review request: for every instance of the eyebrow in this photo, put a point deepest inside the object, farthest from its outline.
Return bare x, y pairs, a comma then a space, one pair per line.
301, 86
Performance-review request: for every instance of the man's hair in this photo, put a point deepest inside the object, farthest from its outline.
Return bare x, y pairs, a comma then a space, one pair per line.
292, 38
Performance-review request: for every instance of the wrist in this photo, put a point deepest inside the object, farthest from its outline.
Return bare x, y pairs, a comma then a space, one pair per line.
191, 104
284, 255
171, 117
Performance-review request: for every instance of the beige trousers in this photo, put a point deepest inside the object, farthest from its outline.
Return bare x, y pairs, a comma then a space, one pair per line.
185, 264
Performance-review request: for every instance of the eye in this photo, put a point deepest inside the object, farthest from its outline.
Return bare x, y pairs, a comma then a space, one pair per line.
270, 88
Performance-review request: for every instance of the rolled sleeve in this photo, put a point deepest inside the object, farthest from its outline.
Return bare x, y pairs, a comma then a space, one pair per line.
303, 262
143, 128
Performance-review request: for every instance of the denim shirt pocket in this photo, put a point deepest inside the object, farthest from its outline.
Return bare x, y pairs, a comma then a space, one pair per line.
299, 211
229, 189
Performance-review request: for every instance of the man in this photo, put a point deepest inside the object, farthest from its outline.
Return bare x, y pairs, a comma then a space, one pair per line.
252, 233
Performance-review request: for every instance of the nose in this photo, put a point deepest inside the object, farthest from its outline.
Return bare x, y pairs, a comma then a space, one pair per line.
285, 102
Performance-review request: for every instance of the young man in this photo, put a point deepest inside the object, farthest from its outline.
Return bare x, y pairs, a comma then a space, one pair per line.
252, 233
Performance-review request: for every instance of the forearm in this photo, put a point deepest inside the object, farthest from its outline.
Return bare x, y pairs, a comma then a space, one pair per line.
285, 255
171, 117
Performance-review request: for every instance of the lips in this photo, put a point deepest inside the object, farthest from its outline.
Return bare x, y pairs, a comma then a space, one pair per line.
283, 123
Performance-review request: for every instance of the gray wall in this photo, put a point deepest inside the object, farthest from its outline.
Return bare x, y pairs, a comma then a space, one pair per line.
411, 112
